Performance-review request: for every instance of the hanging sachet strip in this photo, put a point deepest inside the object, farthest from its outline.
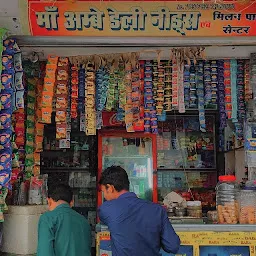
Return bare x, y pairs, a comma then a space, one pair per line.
240, 100
207, 83
247, 85
233, 71
175, 102
81, 89
90, 114
11, 63
181, 88
186, 82
200, 94
160, 89
61, 99
193, 100
168, 86
227, 84
214, 82
139, 125
148, 96
221, 95
128, 106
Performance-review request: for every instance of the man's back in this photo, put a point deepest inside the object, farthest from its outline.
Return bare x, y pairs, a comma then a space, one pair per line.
67, 231
138, 227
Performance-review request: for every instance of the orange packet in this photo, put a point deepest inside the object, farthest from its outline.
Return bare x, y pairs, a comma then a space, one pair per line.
52, 60
47, 99
46, 115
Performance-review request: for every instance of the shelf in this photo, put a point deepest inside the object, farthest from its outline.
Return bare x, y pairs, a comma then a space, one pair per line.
64, 169
128, 157
135, 178
64, 150
187, 169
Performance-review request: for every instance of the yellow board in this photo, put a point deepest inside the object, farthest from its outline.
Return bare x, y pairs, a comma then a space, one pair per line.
197, 239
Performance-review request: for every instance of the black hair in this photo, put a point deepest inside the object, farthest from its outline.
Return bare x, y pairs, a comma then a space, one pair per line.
60, 192
116, 176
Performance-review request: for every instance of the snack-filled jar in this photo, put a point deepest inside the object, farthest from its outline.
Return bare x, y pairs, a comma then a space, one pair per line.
248, 206
227, 196
194, 209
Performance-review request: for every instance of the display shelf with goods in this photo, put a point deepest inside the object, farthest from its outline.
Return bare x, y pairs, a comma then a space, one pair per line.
72, 163
182, 145
133, 152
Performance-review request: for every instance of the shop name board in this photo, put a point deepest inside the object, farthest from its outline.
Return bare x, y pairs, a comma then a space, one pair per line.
149, 18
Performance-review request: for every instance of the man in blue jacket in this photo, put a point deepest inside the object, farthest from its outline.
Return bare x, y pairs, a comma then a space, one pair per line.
137, 227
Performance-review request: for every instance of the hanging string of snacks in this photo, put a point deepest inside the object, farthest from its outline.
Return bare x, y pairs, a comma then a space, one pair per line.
111, 92
186, 83
39, 127
233, 78
207, 82
81, 97
193, 101
102, 83
62, 76
181, 87
120, 93
90, 112
175, 102
160, 89
128, 106
74, 90
139, 124
81, 90
247, 84
227, 83
10, 97
48, 89
168, 86
240, 100
136, 94
30, 126
214, 82
200, 94
148, 95
221, 95
150, 117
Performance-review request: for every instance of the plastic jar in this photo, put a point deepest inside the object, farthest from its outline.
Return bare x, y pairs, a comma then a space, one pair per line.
248, 206
194, 209
227, 196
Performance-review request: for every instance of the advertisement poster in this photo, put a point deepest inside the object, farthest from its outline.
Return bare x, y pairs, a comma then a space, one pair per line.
200, 244
224, 250
138, 18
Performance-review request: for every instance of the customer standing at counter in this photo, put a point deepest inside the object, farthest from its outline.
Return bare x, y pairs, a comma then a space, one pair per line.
137, 227
62, 231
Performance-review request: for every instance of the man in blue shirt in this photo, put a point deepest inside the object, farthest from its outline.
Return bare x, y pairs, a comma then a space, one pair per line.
137, 227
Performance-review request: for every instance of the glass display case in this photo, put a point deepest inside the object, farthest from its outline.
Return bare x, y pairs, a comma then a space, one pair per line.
181, 144
135, 153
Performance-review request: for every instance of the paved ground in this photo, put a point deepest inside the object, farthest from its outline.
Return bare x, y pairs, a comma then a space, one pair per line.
10, 254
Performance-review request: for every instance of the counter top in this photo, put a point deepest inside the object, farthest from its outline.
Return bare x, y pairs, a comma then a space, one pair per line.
214, 227
202, 227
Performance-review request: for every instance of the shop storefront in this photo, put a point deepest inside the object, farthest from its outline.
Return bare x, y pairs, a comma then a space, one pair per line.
164, 89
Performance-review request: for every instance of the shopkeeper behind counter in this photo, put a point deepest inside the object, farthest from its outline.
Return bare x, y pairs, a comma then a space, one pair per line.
137, 227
